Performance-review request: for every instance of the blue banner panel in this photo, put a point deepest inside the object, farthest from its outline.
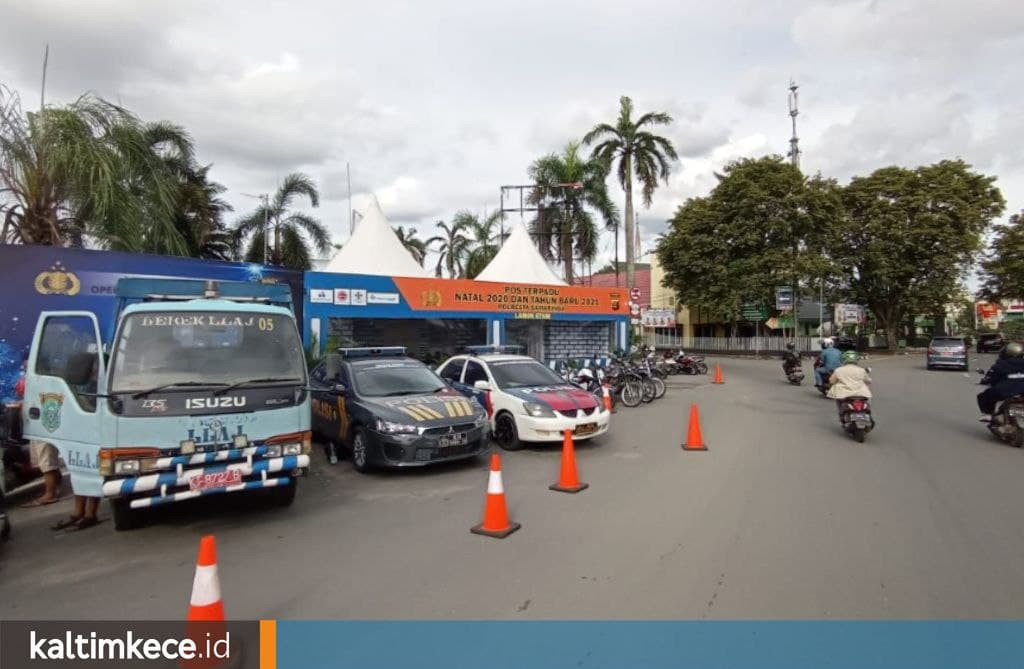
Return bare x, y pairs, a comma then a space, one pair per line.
651, 645
48, 278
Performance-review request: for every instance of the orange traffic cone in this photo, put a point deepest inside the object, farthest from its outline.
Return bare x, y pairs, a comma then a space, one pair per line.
718, 374
568, 481
694, 440
496, 523
206, 604
607, 394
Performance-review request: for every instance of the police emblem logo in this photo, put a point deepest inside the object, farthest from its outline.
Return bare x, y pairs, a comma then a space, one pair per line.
51, 405
431, 298
57, 281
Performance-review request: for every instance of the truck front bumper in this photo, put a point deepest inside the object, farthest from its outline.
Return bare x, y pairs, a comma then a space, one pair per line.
174, 486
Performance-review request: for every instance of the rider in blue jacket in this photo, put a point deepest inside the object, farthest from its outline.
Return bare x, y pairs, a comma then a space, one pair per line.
831, 359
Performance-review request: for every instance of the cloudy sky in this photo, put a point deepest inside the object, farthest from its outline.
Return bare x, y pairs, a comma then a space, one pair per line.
436, 104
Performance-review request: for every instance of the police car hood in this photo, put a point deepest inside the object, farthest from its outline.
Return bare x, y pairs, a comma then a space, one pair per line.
441, 408
559, 398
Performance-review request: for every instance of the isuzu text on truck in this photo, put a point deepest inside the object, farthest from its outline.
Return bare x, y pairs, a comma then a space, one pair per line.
200, 390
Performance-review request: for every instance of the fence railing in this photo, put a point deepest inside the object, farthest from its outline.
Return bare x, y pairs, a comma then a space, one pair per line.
750, 345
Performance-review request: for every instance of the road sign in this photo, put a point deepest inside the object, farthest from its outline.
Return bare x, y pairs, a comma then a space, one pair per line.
634, 308
784, 298
634, 294
752, 311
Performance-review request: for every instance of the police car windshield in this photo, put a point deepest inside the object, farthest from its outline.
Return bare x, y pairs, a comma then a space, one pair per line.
391, 379
523, 373
189, 348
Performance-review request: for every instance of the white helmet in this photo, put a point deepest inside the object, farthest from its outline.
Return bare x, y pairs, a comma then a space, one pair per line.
585, 373
827, 342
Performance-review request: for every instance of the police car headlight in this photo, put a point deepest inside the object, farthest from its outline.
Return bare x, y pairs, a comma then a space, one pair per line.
274, 451
538, 410
126, 467
481, 420
292, 449
387, 427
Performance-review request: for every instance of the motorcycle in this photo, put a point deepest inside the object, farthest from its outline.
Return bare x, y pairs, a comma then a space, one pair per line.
822, 387
691, 364
855, 417
794, 373
1007, 423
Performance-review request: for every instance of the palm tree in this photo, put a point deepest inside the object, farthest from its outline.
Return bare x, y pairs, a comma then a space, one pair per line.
452, 248
416, 247
567, 232
84, 170
483, 240
638, 151
290, 247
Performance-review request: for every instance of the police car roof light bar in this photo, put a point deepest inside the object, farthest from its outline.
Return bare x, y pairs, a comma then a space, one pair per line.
368, 351
494, 348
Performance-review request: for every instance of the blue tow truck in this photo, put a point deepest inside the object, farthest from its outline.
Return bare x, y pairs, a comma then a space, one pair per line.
200, 388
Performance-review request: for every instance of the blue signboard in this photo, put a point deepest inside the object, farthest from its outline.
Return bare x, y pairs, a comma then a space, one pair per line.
47, 278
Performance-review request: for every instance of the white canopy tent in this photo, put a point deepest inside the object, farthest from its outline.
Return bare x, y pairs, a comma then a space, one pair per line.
519, 261
375, 249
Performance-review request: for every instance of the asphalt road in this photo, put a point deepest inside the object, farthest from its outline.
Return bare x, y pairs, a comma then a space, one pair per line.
784, 517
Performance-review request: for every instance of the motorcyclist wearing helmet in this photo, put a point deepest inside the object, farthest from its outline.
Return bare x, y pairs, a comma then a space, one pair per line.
830, 361
790, 359
849, 380
1004, 380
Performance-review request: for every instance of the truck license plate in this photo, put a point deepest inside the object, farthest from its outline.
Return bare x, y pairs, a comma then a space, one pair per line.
586, 428
456, 439
215, 480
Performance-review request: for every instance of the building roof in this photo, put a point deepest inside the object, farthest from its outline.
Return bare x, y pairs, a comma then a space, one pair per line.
375, 249
519, 261
641, 279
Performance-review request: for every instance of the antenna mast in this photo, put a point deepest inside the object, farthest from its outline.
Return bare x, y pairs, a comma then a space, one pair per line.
794, 111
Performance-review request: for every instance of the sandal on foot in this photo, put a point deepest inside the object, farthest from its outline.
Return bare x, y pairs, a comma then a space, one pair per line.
86, 523
66, 523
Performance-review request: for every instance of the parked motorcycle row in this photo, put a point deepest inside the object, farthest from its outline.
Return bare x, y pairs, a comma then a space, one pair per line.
633, 382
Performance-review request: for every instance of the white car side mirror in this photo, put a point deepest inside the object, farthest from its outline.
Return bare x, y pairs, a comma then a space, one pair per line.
482, 385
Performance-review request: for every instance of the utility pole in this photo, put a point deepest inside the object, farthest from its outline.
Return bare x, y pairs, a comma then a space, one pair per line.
266, 228
794, 111
42, 89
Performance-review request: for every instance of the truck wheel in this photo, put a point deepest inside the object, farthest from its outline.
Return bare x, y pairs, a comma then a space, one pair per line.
125, 517
360, 451
283, 495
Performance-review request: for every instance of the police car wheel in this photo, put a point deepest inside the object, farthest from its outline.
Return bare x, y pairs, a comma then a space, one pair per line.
506, 434
125, 517
360, 454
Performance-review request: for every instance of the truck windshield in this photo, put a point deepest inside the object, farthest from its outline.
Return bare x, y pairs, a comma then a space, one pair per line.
198, 347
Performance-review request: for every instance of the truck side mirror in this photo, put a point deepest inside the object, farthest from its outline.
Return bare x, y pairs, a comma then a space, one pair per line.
78, 371
332, 366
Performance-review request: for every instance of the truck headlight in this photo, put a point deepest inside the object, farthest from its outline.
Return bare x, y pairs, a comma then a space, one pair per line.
538, 410
387, 427
274, 451
126, 467
294, 448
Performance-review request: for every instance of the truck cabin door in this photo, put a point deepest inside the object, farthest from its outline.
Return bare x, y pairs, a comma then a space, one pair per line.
65, 371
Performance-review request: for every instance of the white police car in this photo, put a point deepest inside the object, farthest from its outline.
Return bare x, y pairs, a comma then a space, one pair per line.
526, 401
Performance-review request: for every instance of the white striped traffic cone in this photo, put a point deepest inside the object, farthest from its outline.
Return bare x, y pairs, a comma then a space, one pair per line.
206, 604
496, 523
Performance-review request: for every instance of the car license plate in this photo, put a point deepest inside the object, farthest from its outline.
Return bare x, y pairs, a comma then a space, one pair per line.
1016, 411
586, 428
215, 480
456, 439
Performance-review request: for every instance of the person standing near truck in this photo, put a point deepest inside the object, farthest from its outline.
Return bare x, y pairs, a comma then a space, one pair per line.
44, 457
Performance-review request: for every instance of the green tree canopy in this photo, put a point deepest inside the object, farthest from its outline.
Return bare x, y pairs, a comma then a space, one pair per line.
483, 240
762, 226
288, 229
567, 231
416, 247
1002, 270
909, 236
452, 247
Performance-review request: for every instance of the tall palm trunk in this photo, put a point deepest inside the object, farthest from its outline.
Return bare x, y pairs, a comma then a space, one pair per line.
630, 249
566, 246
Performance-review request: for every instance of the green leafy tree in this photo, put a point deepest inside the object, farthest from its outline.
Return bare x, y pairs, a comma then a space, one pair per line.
416, 247
762, 226
1002, 270
483, 240
635, 153
452, 247
289, 229
85, 170
568, 232
909, 236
